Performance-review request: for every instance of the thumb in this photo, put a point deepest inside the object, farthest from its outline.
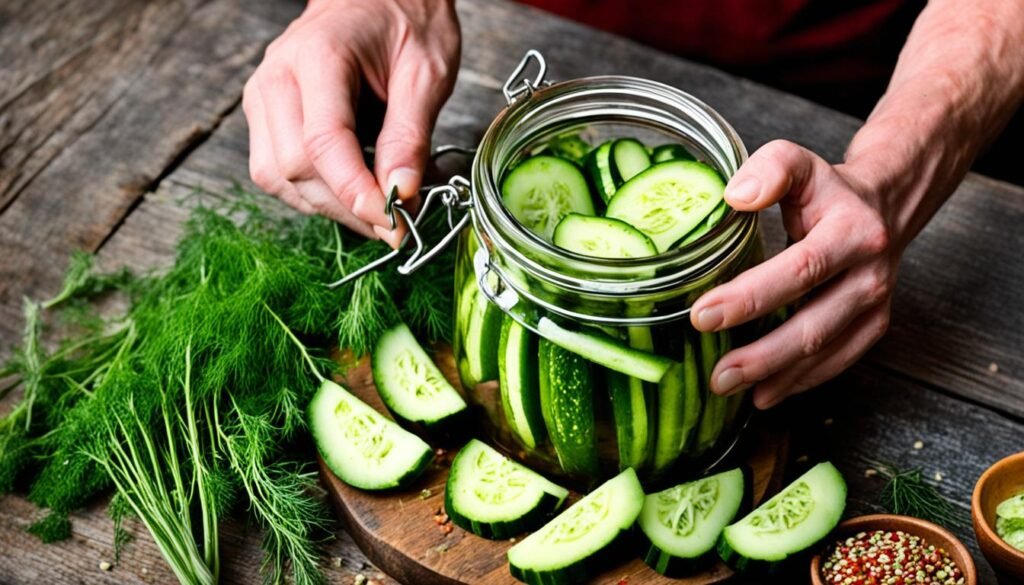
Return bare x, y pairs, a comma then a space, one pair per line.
416, 92
774, 171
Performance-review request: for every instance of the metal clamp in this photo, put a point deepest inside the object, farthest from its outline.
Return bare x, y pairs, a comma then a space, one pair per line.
517, 86
454, 196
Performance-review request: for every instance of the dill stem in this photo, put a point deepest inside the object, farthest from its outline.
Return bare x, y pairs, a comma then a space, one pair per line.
302, 348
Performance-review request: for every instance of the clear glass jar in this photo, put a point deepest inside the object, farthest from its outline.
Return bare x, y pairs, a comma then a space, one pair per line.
666, 429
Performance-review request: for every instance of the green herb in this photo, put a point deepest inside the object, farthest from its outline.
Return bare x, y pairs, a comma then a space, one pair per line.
190, 404
907, 492
53, 527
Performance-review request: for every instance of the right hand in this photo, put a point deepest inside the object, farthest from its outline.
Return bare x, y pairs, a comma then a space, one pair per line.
300, 105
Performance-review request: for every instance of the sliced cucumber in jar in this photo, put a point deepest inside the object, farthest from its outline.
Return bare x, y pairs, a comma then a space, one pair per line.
629, 158
713, 417
607, 351
667, 152
494, 497
483, 330
580, 541
679, 408
709, 223
681, 525
793, 521
599, 168
567, 407
519, 379
668, 200
362, 447
409, 383
601, 237
634, 408
541, 190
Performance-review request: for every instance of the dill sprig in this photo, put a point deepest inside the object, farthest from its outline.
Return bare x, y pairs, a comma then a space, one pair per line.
191, 400
907, 492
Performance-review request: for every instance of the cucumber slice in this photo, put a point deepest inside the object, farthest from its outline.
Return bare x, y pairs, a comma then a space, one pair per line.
483, 331
364, 449
570, 147
542, 189
607, 351
707, 225
494, 497
599, 168
667, 152
795, 520
574, 546
601, 237
409, 383
633, 408
682, 524
712, 420
679, 407
668, 200
567, 407
520, 395
629, 159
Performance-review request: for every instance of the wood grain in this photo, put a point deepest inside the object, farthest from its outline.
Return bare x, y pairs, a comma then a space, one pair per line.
397, 529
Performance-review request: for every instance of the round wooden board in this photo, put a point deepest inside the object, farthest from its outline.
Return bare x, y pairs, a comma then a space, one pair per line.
397, 530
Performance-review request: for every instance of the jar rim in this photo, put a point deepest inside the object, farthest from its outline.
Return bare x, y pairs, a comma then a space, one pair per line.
611, 276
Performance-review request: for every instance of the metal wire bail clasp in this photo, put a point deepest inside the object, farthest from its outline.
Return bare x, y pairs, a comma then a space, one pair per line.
454, 196
517, 86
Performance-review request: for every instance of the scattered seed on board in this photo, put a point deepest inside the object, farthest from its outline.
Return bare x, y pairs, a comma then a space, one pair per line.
105, 566
993, 368
360, 580
938, 476
338, 561
918, 445
426, 493
870, 472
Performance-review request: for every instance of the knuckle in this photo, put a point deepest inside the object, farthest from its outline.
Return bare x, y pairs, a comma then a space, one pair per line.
880, 326
319, 142
403, 134
875, 234
812, 340
810, 267
262, 177
877, 287
294, 165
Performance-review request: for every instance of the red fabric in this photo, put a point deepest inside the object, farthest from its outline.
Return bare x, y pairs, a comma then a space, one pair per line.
785, 42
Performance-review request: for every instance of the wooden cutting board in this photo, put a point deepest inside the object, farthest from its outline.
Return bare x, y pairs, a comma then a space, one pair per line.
399, 530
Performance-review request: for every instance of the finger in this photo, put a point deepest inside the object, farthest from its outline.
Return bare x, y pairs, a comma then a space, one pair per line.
813, 327
777, 169
827, 250
838, 356
416, 91
328, 84
262, 164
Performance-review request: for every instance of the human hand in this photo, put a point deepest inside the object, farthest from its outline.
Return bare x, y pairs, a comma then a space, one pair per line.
843, 257
300, 105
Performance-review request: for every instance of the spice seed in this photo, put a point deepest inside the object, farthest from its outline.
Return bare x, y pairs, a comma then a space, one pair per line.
918, 445
105, 566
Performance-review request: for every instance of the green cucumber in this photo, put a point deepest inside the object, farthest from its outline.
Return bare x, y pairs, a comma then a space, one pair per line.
667, 152
599, 169
629, 158
483, 331
607, 351
494, 497
679, 407
580, 541
520, 395
567, 407
668, 200
712, 420
735, 402
570, 147
409, 383
633, 408
541, 190
362, 447
793, 521
681, 525
707, 225
601, 237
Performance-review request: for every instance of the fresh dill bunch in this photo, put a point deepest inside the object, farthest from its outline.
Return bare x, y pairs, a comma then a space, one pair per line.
53, 527
119, 510
907, 492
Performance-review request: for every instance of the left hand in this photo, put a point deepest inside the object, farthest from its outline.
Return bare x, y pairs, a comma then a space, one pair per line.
843, 258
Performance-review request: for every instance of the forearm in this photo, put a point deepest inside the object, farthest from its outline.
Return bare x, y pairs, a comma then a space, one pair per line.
959, 79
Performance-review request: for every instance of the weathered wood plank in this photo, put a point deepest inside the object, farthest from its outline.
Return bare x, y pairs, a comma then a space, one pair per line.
23, 559
90, 124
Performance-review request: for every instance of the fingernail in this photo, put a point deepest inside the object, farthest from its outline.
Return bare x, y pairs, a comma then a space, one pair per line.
745, 191
710, 318
407, 180
729, 380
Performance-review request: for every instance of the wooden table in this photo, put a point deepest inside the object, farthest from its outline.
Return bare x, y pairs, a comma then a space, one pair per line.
111, 109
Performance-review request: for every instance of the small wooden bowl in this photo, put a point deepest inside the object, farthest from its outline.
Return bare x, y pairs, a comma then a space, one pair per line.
999, 482
931, 533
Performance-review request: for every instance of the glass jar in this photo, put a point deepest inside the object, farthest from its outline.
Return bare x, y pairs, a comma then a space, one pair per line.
518, 295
